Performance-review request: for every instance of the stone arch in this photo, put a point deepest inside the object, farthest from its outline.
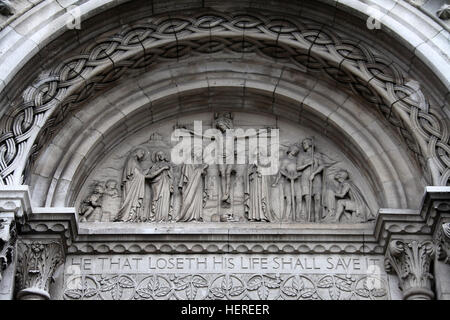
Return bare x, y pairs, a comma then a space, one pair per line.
370, 74
60, 171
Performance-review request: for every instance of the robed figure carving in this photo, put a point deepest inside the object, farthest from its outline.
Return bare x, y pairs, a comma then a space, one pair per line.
133, 189
347, 201
192, 189
161, 180
257, 203
288, 174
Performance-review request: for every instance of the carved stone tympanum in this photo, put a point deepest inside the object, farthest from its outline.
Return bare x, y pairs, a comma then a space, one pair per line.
411, 260
37, 263
304, 183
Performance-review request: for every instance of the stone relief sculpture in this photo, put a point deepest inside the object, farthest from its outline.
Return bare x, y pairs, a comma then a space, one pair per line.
306, 187
257, 201
92, 205
289, 174
161, 177
311, 164
133, 186
111, 200
224, 122
347, 200
192, 189
232, 286
37, 262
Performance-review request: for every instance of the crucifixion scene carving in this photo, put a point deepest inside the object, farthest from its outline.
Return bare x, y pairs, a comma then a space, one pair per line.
224, 150
226, 175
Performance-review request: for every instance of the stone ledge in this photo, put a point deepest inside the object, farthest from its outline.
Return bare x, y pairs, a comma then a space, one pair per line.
233, 237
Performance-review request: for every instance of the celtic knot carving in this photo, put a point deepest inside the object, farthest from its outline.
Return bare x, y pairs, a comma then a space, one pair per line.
307, 45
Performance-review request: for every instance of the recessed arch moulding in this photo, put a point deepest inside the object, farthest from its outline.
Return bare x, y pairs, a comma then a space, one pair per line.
85, 101
363, 70
97, 139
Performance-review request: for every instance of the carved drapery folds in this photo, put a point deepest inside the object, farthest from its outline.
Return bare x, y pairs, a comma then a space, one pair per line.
297, 182
411, 260
37, 263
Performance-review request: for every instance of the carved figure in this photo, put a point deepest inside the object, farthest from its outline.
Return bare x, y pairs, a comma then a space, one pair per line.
257, 202
224, 122
92, 204
288, 171
349, 201
111, 200
111, 189
161, 179
311, 165
133, 189
192, 189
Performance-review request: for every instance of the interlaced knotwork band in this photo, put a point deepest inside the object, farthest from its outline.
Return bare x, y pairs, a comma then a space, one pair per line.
309, 46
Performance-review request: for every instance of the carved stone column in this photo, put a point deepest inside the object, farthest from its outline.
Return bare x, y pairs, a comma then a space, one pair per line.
411, 260
442, 265
8, 236
37, 262
443, 248
14, 205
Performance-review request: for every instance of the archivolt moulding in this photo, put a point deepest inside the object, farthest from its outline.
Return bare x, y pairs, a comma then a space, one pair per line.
93, 131
311, 47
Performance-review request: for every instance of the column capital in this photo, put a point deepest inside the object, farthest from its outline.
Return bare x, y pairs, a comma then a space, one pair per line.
15, 205
411, 260
37, 262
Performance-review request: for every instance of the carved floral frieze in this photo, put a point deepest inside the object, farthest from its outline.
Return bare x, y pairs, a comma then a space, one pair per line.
217, 286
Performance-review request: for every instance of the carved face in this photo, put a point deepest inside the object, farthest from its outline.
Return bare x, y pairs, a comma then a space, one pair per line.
306, 144
160, 156
36, 247
198, 154
341, 176
140, 154
223, 124
264, 159
111, 184
98, 189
